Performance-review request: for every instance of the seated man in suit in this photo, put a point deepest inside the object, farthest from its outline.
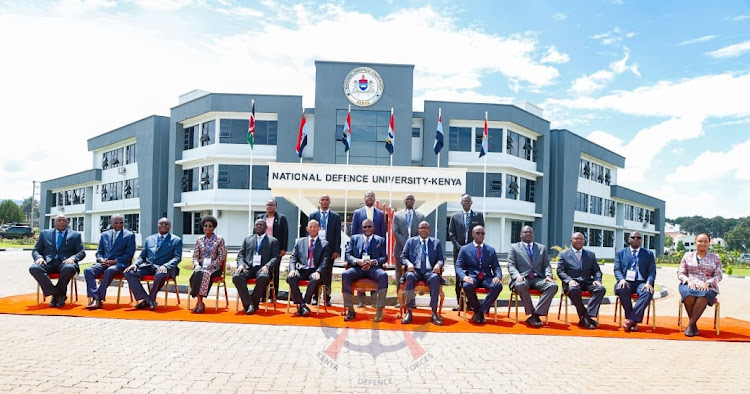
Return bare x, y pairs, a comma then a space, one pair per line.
635, 271
330, 231
529, 268
378, 221
256, 259
365, 255
58, 250
309, 261
160, 257
277, 227
579, 271
477, 266
405, 225
459, 232
115, 253
423, 258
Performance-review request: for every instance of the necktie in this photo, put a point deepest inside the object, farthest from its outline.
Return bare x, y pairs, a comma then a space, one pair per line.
60, 236
408, 220
369, 213
578, 256
159, 241
479, 258
258, 243
324, 219
530, 252
424, 255
367, 246
310, 254
467, 221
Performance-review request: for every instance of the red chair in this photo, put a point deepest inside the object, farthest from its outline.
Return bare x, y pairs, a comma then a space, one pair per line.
73, 285
514, 298
321, 296
479, 290
150, 278
421, 288
219, 281
269, 294
717, 315
564, 299
634, 297
120, 278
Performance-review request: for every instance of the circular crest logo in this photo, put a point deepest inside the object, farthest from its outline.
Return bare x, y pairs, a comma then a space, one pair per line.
363, 86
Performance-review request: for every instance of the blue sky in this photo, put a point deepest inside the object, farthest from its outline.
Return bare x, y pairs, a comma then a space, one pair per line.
666, 84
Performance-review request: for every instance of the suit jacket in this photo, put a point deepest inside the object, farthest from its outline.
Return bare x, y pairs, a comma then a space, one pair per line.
280, 229
121, 249
469, 264
333, 230
357, 243
269, 252
298, 259
169, 254
519, 264
46, 246
646, 264
378, 220
457, 230
413, 252
401, 229
568, 267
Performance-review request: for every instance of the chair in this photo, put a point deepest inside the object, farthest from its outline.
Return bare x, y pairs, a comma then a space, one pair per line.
73, 285
219, 281
363, 285
120, 278
421, 288
321, 296
150, 278
514, 298
269, 294
633, 297
479, 290
564, 298
717, 315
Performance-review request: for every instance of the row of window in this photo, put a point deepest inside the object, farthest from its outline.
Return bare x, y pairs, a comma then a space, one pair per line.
69, 197
120, 190
132, 222
118, 157
597, 206
516, 187
595, 172
638, 214
460, 140
231, 131
597, 236
230, 176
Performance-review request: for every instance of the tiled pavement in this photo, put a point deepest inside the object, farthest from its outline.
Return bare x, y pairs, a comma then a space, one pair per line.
69, 354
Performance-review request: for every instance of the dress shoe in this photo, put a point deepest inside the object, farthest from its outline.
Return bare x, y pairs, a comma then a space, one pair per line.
592, 321
634, 326
200, 308
436, 319
695, 331
141, 305
303, 310
53, 302
455, 309
585, 323
533, 321
328, 301
152, 305
350, 315
379, 315
94, 304
689, 331
408, 318
627, 325
482, 318
251, 309
478, 318
314, 301
61, 301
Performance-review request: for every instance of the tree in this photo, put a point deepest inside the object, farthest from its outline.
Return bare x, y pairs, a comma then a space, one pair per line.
738, 237
30, 210
669, 241
680, 246
10, 212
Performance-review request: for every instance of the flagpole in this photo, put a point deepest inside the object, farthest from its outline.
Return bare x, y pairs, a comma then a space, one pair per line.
250, 223
299, 184
392, 127
346, 184
437, 192
484, 178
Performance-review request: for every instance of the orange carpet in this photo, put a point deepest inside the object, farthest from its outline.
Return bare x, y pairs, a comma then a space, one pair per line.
731, 329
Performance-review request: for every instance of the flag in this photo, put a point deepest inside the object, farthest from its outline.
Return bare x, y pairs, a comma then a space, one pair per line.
389, 140
485, 139
301, 136
251, 126
438, 145
347, 130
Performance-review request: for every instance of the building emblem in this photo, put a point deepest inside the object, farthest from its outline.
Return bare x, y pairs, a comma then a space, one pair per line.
363, 86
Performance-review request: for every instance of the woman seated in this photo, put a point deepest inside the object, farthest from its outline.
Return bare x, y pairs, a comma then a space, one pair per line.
208, 258
699, 275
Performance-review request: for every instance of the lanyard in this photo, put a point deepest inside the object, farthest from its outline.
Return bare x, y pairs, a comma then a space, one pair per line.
208, 246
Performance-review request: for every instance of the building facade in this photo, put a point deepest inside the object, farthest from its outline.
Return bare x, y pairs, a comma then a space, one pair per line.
198, 162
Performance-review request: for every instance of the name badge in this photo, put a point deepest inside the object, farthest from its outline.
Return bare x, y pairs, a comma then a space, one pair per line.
206, 262
322, 234
256, 260
630, 275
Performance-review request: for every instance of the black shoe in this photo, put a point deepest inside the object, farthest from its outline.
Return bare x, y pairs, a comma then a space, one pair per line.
61, 301
455, 309
328, 301
593, 322
350, 315
141, 305
303, 310
483, 318
251, 309
53, 302
94, 304
533, 321
314, 301
634, 327
584, 322
478, 318
407, 318
152, 305
436, 319
379, 315
689, 331
627, 325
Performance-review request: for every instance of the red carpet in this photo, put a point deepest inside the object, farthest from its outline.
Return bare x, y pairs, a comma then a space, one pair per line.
731, 329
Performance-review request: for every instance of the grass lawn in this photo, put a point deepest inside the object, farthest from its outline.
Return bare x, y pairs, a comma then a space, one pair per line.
740, 271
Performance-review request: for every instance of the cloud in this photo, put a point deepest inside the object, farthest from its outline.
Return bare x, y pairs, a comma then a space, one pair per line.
734, 163
614, 36
13, 166
731, 50
165, 5
739, 18
559, 16
553, 56
590, 83
240, 12
82, 6
698, 40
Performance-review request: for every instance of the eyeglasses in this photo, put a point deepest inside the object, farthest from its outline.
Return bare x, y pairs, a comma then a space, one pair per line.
208, 225
117, 222
366, 226
164, 224
479, 233
635, 237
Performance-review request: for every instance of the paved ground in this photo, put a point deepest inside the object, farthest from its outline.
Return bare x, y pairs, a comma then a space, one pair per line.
100, 355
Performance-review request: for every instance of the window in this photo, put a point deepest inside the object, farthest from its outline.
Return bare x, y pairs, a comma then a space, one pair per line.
585, 169
596, 205
597, 173
237, 177
113, 158
132, 222
111, 191
652, 242
131, 189
208, 133
460, 139
494, 140
189, 138
130, 154
369, 132
582, 202
189, 180
607, 177
584, 231
651, 217
515, 230
627, 240
416, 132
207, 177
595, 237
629, 212
54, 199
608, 239
519, 145
76, 223
104, 223
609, 208
191, 223
527, 190
513, 188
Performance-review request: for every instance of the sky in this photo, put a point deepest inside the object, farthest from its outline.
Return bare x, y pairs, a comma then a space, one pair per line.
665, 84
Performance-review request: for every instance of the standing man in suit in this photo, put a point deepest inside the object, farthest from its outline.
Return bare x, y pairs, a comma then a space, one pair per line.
115, 253
58, 250
369, 212
160, 257
529, 268
405, 226
309, 261
365, 255
477, 266
330, 231
277, 227
579, 271
423, 257
256, 259
460, 234
635, 271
